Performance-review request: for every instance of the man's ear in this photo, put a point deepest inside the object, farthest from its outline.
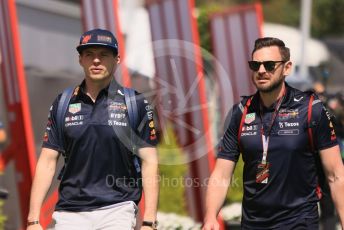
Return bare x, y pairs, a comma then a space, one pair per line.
80, 59
118, 59
287, 68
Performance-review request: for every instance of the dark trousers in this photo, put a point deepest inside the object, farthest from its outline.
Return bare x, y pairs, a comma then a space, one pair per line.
328, 218
301, 224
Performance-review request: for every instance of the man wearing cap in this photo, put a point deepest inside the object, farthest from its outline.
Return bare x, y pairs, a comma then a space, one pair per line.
101, 181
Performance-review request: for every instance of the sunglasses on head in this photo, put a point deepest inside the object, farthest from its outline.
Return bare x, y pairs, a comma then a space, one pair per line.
268, 65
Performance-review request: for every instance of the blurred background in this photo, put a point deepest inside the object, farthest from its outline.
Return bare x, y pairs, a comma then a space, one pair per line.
189, 57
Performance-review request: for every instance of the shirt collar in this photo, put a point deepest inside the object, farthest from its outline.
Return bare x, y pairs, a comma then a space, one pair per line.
286, 100
113, 86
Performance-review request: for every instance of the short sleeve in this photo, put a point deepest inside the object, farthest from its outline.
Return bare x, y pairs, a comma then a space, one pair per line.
147, 127
228, 147
325, 135
50, 137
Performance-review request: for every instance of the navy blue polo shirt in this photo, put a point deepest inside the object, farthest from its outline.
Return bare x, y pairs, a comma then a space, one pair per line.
100, 169
290, 193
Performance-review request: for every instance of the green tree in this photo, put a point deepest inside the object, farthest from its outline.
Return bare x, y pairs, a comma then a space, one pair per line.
288, 12
328, 18
205, 11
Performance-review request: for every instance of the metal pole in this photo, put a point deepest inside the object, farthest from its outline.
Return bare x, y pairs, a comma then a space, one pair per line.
305, 30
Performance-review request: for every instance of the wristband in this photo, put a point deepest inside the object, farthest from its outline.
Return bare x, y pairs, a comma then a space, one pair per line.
32, 222
153, 225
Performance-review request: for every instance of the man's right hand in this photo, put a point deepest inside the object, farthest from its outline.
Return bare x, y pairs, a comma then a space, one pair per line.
218, 184
211, 224
45, 170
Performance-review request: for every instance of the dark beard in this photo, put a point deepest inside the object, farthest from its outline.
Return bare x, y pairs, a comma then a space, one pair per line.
275, 85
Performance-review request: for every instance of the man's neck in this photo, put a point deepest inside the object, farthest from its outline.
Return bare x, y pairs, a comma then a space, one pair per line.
92, 88
271, 97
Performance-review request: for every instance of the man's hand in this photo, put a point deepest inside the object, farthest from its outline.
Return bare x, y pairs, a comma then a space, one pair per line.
219, 182
211, 224
150, 182
45, 171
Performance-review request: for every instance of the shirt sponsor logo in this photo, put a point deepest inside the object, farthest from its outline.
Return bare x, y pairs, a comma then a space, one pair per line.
117, 106
249, 128
250, 118
45, 137
153, 132
328, 115
148, 107
298, 99
249, 134
288, 124
333, 135
116, 123
285, 114
76, 123
151, 124
152, 137
150, 115
288, 132
117, 115
120, 92
74, 108
74, 118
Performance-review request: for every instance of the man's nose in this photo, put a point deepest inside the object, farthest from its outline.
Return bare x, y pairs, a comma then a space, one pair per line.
261, 69
96, 59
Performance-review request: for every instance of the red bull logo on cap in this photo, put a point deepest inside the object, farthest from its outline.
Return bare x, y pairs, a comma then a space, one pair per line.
86, 38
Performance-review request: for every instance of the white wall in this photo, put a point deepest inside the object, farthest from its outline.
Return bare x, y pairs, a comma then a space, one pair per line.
49, 36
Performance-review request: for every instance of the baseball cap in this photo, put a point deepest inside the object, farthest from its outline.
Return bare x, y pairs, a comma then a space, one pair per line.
98, 37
